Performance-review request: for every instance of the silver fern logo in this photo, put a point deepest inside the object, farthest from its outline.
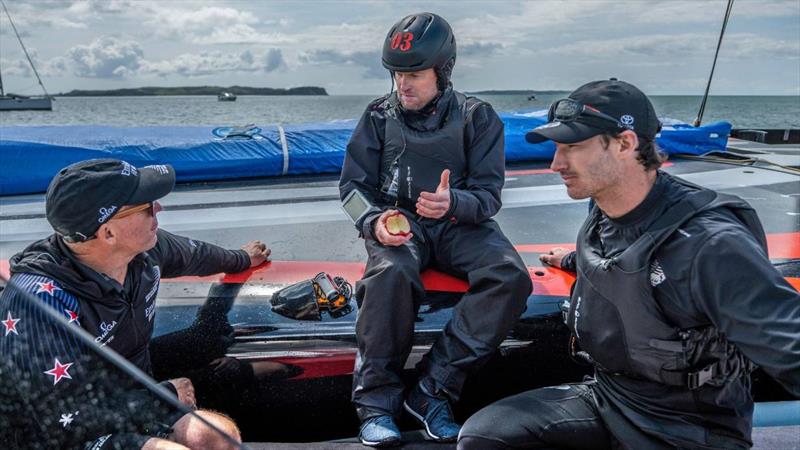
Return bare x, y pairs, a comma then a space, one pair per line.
656, 274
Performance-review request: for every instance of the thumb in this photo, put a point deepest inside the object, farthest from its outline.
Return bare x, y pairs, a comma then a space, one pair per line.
444, 184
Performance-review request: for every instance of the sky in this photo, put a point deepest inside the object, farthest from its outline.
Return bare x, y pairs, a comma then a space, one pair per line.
664, 47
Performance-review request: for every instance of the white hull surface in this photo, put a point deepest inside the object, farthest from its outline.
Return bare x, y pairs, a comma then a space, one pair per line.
19, 103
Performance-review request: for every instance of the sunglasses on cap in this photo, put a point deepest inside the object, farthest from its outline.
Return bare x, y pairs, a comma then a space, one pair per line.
77, 237
569, 110
135, 209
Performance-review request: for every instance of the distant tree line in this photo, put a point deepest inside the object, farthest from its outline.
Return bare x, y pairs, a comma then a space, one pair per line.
195, 90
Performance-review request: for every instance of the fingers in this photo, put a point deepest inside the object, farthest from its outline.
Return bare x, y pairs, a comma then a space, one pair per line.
433, 211
434, 197
552, 258
185, 390
258, 252
383, 236
390, 240
444, 182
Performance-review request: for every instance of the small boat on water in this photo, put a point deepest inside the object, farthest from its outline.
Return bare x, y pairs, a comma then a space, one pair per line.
15, 102
226, 97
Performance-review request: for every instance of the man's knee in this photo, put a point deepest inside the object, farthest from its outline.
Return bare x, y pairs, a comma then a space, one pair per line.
480, 432
479, 443
401, 270
194, 433
508, 273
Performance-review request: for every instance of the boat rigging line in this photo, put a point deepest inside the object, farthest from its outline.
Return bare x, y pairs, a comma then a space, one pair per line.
25, 50
699, 118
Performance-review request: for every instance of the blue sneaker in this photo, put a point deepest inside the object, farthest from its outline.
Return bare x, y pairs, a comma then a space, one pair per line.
379, 431
433, 412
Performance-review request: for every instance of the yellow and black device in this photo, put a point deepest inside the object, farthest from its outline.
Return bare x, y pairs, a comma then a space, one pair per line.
333, 294
306, 300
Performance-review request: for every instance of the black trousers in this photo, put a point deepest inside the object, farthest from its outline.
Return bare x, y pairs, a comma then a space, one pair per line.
563, 417
389, 294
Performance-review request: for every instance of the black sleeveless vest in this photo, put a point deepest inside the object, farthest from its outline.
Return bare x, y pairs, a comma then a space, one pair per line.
617, 321
411, 159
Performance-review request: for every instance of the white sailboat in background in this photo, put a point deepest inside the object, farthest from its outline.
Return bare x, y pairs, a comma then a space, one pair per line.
14, 102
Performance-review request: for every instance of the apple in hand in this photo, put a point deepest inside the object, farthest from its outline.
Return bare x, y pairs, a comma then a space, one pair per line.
397, 225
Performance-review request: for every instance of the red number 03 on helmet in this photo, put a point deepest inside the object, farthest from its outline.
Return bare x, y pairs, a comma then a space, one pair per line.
402, 41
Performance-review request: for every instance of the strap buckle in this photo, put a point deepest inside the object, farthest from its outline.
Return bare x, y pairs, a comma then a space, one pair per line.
696, 379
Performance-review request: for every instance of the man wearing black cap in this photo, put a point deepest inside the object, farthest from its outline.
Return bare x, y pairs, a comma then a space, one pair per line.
101, 269
675, 298
435, 156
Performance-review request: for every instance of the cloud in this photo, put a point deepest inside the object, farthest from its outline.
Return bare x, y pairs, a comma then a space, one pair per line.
16, 67
83, 7
369, 60
215, 62
673, 49
105, 57
360, 37
478, 49
273, 60
211, 25
47, 15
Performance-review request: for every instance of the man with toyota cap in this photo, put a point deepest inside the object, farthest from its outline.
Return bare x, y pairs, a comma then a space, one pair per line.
101, 269
437, 157
675, 299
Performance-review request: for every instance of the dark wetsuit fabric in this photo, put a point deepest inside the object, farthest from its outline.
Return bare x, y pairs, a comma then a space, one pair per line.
711, 272
465, 243
555, 417
57, 389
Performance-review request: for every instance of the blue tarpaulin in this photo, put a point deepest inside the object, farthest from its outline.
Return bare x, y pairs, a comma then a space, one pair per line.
30, 156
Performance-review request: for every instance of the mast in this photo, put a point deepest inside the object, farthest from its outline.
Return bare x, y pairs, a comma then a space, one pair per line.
24, 50
713, 65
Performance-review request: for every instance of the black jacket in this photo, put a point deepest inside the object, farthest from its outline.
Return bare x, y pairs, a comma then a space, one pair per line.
711, 272
121, 317
474, 199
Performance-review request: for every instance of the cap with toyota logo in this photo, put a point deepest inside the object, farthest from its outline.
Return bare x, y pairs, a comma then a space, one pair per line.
580, 116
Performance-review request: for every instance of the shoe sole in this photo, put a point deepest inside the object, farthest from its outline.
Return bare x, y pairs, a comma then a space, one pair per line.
392, 443
425, 424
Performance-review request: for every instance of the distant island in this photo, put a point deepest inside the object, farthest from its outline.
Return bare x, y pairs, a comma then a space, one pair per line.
513, 92
195, 90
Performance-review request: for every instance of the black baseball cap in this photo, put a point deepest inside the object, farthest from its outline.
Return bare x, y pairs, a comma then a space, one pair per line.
619, 100
85, 195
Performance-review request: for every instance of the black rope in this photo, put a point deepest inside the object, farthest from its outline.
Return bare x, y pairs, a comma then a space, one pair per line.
699, 118
24, 49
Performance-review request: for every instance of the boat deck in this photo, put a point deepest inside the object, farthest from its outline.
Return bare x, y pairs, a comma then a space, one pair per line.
301, 220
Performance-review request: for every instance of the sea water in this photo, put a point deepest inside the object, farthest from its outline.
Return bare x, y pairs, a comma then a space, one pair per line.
742, 111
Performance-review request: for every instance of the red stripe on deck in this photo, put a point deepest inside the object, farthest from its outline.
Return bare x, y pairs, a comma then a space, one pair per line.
546, 280
320, 366
286, 272
542, 248
784, 245
4, 272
